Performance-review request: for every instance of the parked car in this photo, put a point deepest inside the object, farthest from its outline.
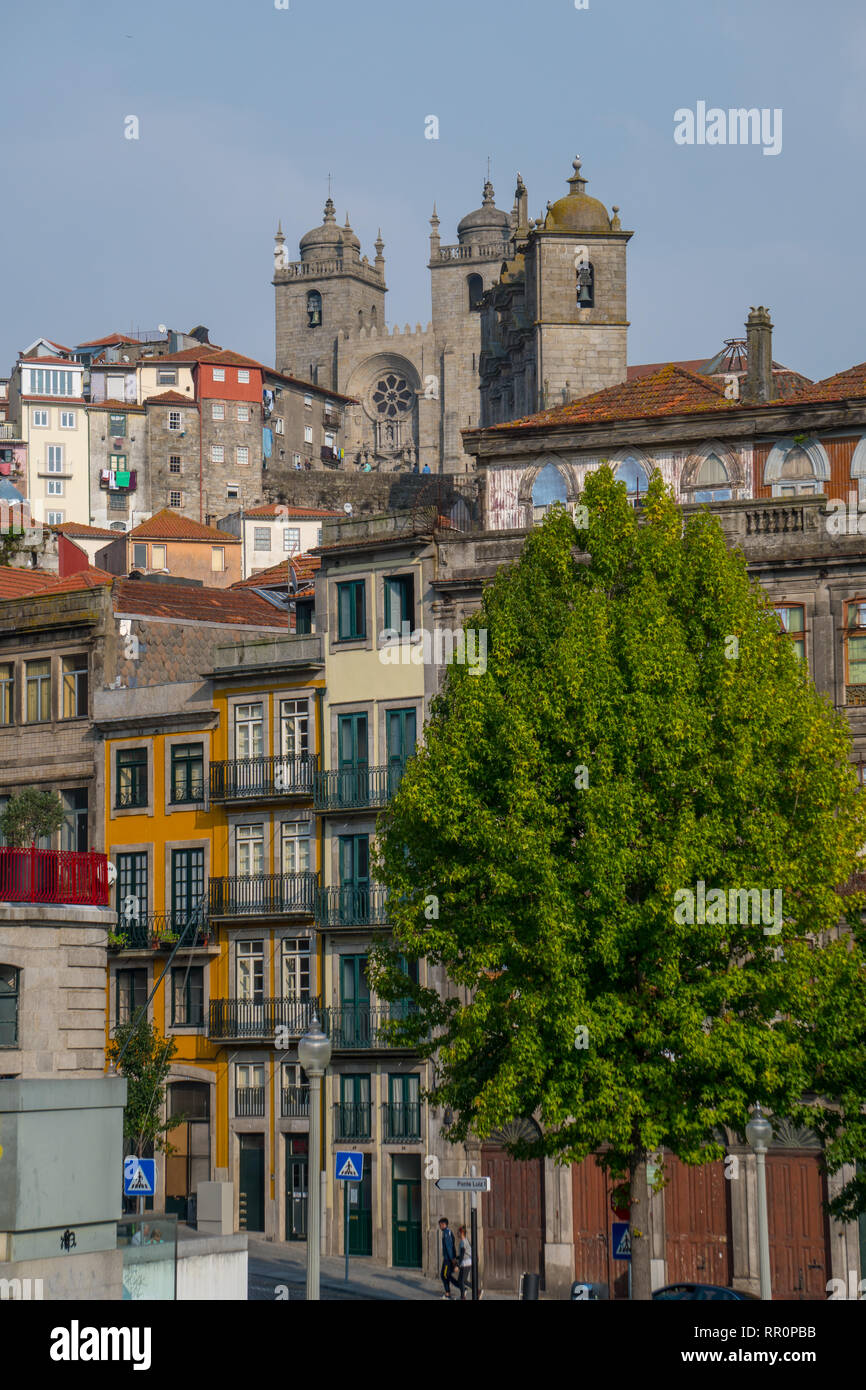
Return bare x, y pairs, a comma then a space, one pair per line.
675, 1293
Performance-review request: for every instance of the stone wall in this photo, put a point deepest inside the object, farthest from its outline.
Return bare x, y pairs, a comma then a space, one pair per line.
369, 493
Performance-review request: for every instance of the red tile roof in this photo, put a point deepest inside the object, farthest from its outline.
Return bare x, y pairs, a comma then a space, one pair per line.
109, 341
138, 598
186, 356
115, 405
78, 528
650, 368
277, 577
670, 391
225, 357
847, 385
170, 398
52, 361
275, 509
169, 525
15, 583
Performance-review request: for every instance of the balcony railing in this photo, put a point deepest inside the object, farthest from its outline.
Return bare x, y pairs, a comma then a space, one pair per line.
352, 1120
53, 876
263, 895
252, 779
159, 931
401, 1123
352, 907
249, 1100
352, 1026
357, 788
295, 1102
259, 1018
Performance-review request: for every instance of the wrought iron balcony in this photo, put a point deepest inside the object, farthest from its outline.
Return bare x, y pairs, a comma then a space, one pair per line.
352, 907
354, 1026
263, 895
53, 876
249, 1100
357, 788
259, 1018
258, 779
352, 1120
295, 1102
401, 1123
160, 931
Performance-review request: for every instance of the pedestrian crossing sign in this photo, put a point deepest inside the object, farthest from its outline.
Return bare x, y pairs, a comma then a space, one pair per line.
350, 1166
139, 1177
621, 1241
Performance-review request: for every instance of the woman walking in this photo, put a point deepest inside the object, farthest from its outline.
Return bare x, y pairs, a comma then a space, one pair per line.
464, 1257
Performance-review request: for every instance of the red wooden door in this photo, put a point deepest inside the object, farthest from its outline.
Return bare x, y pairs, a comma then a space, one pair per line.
799, 1231
513, 1214
593, 1217
697, 1223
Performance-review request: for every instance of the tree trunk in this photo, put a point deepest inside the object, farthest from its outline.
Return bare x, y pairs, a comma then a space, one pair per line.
639, 1228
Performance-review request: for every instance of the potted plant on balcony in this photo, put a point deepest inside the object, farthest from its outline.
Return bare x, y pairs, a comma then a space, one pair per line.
30, 814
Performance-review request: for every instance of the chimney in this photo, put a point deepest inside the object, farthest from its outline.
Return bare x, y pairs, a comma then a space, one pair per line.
759, 356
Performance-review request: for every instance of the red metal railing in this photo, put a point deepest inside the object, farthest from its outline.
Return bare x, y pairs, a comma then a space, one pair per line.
53, 876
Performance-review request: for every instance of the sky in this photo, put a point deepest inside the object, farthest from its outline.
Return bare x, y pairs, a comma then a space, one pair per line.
244, 109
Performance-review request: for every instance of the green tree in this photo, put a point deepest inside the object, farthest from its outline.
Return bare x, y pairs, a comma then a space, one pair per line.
146, 1063
642, 728
29, 814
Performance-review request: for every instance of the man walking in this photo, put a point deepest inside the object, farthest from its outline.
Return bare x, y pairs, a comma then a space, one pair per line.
449, 1257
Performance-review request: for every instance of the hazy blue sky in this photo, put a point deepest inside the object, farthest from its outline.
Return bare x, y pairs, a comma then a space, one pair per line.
244, 109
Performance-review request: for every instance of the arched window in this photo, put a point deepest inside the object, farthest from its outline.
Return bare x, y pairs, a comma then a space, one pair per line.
711, 482
475, 286
9, 1005
373, 316
797, 474
585, 286
314, 308
635, 478
360, 318
548, 489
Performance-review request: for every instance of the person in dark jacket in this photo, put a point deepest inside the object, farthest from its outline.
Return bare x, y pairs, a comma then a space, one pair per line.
449, 1257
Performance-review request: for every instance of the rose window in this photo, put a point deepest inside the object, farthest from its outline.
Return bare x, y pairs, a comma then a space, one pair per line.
393, 396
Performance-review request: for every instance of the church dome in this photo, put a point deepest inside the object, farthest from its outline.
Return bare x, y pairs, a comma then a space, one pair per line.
577, 212
325, 240
485, 223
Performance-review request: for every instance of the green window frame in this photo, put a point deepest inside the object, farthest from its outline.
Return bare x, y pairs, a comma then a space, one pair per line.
10, 990
303, 616
117, 425
399, 601
187, 772
130, 993
351, 611
132, 883
187, 884
187, 996
131, 778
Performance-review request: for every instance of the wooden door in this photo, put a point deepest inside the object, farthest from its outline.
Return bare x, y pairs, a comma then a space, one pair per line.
592, 1218
513, 1215
799, 1231
697, 1223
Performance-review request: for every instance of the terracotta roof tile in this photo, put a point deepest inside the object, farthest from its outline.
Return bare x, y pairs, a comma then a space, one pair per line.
15, 583
138, 598
669, 391
305, 567
170, 398
107, 342
78, 528
125, 406
846, 385
650, 368
51, 361
171, 525
275, 509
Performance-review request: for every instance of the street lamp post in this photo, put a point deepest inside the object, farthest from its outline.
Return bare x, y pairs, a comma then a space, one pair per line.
759, 1133
314, 1054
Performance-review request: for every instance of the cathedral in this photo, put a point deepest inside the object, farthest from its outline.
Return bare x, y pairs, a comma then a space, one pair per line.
525, 314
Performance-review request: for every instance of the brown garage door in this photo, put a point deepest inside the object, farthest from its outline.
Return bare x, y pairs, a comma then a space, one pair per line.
799, 1231
513, 1215
697, 1223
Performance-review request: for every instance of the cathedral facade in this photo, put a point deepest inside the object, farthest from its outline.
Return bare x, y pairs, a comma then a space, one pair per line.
524, 314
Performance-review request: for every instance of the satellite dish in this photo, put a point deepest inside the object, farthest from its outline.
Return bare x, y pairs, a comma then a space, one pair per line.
347, 508
161, 328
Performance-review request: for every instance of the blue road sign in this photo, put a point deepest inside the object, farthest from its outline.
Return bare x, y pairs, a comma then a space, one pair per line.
620, 1241
350, 1166
139, 1177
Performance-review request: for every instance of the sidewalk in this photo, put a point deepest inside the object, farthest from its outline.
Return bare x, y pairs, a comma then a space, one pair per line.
368, 1278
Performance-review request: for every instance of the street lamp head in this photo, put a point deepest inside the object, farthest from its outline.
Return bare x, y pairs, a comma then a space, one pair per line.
314, 1049
759, 1131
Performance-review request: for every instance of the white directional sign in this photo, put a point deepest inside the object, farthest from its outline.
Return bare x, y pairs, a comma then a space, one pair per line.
463, 1184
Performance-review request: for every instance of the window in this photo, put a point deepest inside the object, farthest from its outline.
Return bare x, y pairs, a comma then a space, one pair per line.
114, 388
308, 434
74, 830
175, 419
233, 492
175, 499
400, 734
856, 642
139, 555
40, 419
351, 611
792, 624
117, 425
67, 419
219, 373
54, 487
249, 731
250, 850
329, 441
296, 967
187, 884
404, 1108
308, 401
187, 772
243, 376
475, 288
37, 677
295, 847
7, 692
51, 383
55, 518
218, 411
711, 481
261, 538
354, 1113
303, 616
797, 475
548, 489
292, 539
279, 427
157, 557
217, 453
296, 460
314, 309
117, 463
243, 413
174, 463
249, 1088
55, 458
187, 996
132, 887
131, 996
635, 478
295, 728
217, 558
9, 978
131, 778
166, 376
243, 455
75, 686
250, 965
118, 502
399, 601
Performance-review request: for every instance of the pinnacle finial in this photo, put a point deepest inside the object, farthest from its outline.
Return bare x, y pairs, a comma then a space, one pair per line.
577, 182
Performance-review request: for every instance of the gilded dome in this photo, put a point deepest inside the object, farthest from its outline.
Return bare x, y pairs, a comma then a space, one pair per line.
577, 212
486, 222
